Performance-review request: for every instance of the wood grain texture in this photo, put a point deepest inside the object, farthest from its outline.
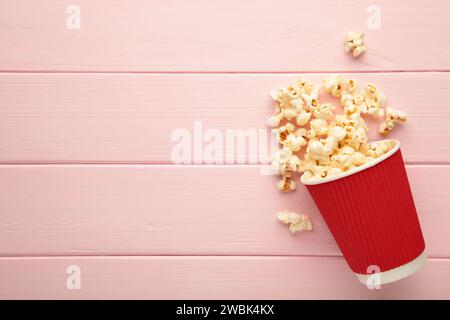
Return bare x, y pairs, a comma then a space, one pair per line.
209, 278
130, 118
172, 210
204, 35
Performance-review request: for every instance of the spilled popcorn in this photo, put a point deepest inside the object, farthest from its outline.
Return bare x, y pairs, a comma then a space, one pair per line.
296, 221
392, 117
355, 43
317, 143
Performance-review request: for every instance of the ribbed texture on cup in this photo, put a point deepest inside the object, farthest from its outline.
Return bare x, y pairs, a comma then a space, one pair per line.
372, 216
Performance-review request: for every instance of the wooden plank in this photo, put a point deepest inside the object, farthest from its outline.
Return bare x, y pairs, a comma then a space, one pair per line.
171, 210
202, 35
131, 118
209, 278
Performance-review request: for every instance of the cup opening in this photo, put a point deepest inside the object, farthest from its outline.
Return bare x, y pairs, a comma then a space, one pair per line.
365, 166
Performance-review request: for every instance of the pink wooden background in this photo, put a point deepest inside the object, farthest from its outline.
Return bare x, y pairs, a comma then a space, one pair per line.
86, 118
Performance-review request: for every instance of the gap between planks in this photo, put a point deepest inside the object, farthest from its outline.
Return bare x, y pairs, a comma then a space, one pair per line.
262, 72
187, 256
170, 165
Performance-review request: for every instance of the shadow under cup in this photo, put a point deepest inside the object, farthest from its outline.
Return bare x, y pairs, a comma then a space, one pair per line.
371, 214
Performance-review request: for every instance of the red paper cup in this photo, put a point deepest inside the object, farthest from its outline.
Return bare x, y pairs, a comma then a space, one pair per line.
371, 213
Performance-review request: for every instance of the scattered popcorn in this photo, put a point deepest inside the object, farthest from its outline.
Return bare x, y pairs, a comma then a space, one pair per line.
319, 127
373, 101
274, 121
305, 224
324, 111
351, 86
334, 143
295, 101
334, 85
287, 217
286, 184
282, 132
377, 149
392, 117
337, 133
355, 43
296, 221
303, 118
280, 161
334, 171
359, 158
311, 101
294, 143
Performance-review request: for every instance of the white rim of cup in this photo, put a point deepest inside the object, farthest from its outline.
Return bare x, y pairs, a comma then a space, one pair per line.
357, 169
397, 273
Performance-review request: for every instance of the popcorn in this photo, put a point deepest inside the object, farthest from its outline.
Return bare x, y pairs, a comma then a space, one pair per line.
286, 184
289, 113
355, 43
288, 217
311, 100
294, 102
348, 150
334, 85
374, 101
319, 127
317, 149
324, 111
358, 137
392, 117
284, 162
334, 171
377, 149
306, 86
305, 224
386, 127
294, 143
282, 132
395, 115
358, 159
303, 118
342, 161
334, 143
351, 86
294, 163
337, 133
296, 221
274, 121
280, 161
291, 140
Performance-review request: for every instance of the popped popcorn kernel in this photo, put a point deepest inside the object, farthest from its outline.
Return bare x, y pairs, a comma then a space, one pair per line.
280, 161
286, 184
297, 222
355, 43
324, 111
274, 121
395, 115
351, 86
392, 118
303, 118
305, 224
334, 85
319, 127
337, 133
386, 127
374, 101
293, 142
282, 132
288, 217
